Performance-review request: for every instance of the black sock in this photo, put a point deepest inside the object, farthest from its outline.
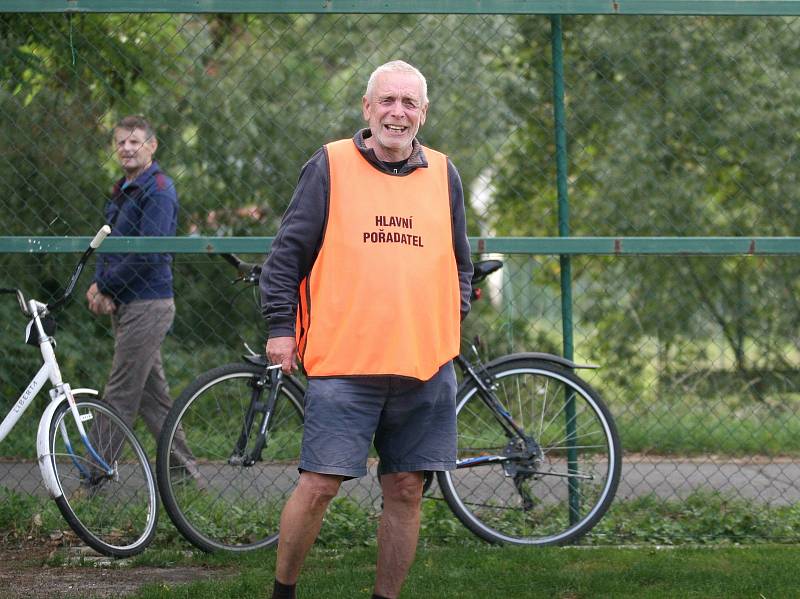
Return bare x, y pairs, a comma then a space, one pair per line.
283, 591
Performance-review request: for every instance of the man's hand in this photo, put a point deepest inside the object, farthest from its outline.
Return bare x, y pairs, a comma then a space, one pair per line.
99, 303
283, 351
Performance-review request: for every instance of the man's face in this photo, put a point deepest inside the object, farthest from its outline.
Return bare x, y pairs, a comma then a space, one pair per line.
134, 150
395, 112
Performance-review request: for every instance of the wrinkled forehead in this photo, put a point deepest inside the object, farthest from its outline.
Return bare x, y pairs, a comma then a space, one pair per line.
398, 84
135, 135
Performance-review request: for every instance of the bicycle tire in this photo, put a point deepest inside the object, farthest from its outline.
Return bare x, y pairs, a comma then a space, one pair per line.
224, 506
551, 508
116, 516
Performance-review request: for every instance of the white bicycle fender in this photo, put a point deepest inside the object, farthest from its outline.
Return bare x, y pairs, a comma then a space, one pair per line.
42, 443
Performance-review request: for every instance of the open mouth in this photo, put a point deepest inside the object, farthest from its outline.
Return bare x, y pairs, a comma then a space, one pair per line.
395, 128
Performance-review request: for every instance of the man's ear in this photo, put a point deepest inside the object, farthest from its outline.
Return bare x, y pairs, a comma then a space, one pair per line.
423, 115
365, 108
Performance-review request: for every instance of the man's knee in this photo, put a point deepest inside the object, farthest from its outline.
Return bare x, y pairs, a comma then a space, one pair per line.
403, 487
318, 489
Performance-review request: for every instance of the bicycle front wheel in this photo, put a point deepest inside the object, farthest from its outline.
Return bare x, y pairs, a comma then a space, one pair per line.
114, 512
548, 487
214, 499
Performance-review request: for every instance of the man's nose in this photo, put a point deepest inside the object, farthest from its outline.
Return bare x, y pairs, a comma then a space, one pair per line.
397, 109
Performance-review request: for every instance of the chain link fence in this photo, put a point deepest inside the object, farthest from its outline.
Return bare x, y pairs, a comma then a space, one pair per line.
678, 126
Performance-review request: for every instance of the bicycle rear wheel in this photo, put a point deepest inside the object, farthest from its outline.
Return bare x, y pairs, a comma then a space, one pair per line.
220, 503
546, 495
116, 513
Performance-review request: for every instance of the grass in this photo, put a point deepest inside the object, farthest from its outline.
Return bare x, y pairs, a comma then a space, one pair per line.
491, 572
702, 518
693, 427
451, 562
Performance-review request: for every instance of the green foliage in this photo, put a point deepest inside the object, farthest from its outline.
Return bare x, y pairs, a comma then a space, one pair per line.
673, 129
240, 102
455, 572
662, 142
703, 517
681, 428
347, 523
440, 526
23, 515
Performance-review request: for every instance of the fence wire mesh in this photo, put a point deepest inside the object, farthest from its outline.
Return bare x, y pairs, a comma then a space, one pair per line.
677, 126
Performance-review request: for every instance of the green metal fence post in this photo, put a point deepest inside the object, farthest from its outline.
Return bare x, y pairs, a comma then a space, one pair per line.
561, 180
565, 260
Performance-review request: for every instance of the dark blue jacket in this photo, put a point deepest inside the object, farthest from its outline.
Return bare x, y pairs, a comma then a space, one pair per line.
146, 207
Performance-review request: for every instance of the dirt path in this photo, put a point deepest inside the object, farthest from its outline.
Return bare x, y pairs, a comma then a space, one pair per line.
24, 574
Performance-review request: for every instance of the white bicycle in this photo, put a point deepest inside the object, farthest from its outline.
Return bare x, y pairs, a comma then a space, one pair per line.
92, 464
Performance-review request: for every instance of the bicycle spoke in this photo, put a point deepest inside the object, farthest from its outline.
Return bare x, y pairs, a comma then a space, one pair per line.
527, 492
239, 506
114, 513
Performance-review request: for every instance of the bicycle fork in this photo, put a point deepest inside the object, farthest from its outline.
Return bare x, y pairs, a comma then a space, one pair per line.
46, 459
267, 409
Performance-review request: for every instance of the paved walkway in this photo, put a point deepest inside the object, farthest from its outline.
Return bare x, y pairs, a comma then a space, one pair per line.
768, 480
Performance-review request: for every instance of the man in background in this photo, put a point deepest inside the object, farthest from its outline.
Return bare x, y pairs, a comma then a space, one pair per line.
136, 289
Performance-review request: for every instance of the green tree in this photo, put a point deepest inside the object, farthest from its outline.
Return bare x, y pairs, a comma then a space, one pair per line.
678, 127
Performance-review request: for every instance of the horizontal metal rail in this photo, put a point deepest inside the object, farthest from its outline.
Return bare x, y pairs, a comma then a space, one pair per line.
544, 7
709, 246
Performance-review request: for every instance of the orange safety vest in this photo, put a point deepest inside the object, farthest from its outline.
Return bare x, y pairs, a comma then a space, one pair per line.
382, 297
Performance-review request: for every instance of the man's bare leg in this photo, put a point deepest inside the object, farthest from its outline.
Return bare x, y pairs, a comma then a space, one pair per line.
398, 530
301, 520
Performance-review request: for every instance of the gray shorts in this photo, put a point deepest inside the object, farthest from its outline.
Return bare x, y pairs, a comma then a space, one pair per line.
413, 424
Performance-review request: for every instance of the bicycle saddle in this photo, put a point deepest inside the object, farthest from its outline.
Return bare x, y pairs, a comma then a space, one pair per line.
483, 269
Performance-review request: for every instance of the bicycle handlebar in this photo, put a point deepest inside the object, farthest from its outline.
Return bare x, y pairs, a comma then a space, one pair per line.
99, 237
249, 272
482, 269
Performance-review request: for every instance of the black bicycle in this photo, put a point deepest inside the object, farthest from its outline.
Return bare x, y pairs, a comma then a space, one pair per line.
539, 456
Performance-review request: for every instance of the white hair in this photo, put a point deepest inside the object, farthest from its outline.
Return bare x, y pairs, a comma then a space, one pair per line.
397, 66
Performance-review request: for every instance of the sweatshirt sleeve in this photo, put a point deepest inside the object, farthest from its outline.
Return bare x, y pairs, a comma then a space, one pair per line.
295, 247
460, 240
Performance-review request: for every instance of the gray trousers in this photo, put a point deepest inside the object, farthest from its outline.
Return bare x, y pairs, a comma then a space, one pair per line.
137, 384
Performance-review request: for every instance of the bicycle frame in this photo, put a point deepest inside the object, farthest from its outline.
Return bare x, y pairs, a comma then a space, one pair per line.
481, 377
238, 457
60, 390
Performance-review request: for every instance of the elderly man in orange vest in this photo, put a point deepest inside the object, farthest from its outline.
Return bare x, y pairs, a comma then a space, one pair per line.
367, 283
